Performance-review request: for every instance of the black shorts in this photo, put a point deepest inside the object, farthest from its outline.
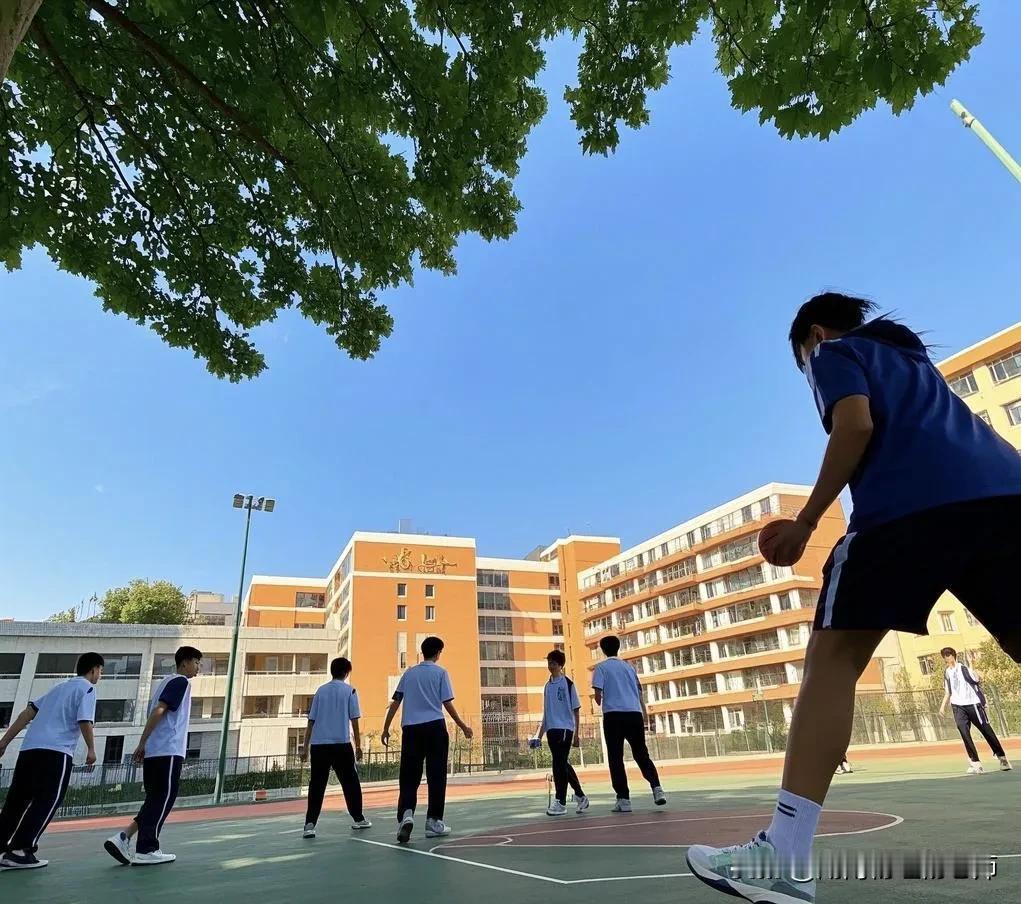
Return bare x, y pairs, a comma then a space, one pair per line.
890, 576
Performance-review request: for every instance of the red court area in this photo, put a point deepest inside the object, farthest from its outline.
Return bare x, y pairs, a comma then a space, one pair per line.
663, 828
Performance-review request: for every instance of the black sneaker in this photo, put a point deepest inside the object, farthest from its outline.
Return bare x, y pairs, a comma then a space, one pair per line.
10, 860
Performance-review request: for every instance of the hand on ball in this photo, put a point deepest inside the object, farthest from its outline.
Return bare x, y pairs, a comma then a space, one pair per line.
783, 542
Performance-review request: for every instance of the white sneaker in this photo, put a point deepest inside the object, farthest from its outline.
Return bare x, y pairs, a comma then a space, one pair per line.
309, 831
582, 803
119, 847
556, 809
975, 769
1005, 764
658, 796
405, 829
436, 828
735, 870
153, 858
622, 806
361, 824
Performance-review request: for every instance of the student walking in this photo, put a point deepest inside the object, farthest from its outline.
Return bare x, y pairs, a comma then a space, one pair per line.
619, 692
425, 692
921, 468
332, 719
43, 770
964, 694
561, 719
160, 752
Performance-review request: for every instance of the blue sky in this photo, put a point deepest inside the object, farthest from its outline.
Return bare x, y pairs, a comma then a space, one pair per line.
618, 366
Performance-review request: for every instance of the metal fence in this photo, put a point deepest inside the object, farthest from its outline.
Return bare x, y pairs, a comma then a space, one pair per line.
893, 718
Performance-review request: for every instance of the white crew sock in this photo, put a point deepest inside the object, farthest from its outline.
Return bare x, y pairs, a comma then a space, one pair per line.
792, 830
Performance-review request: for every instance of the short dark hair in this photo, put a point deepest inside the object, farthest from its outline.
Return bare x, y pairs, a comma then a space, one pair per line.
610, 645
183, 654
340, 668
948, 651
829, 309
87, 662
557, 656
431, 646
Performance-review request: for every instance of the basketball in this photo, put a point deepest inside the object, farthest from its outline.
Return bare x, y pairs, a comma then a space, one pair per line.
767, 536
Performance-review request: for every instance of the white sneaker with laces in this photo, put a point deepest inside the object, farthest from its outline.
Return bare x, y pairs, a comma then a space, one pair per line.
436, 828
119, 847
623, 805
582, 803
658, 796
405, 829
153, 858
309, 831
556, 809
1005, 764
749, 871
362, 823
975, 769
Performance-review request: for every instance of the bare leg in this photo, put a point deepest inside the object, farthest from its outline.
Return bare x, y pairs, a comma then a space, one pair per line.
821, 725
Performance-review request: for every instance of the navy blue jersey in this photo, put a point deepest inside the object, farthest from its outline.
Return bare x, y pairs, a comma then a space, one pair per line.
927, 448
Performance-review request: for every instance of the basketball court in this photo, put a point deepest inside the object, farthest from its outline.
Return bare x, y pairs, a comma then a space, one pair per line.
503, 850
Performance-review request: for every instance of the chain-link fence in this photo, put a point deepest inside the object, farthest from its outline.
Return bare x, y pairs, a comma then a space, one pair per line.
501, 746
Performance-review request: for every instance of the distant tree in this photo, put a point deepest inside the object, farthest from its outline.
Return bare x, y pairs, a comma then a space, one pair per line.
145, 603
64, 617
998, 669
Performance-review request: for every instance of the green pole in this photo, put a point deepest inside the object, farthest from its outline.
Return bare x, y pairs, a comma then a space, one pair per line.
221, 766
970, 122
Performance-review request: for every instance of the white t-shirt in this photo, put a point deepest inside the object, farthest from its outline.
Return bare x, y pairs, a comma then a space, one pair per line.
560, 700
170, 736
333, 707
620, 686
422, 690
961, 692
57, 714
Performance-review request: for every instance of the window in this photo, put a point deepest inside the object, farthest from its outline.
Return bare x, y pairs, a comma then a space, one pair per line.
430, 591
402, 612
786, 603
122, 665
6, 712
499, 707
946, 621
554, 582
402, 590
554, 604
113, 752
970, 618
495, 624
926, 664
304, 600
10, 664
1013, 413
430, 613
56, 665
493, 599
794, 636
558, 629
402, 659
498, 677
295, 738
964, 385
558, 646
766, 506
496, 650
984, 415
1008, 367
115, 710
492, 579
193, 749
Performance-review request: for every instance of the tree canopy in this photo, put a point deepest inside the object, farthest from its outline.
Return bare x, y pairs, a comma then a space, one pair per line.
207, 165
144, 603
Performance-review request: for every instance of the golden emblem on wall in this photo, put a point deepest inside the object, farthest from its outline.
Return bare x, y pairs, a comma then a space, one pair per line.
428, 565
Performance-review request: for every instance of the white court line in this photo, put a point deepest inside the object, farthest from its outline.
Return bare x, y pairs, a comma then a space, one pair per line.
626, 878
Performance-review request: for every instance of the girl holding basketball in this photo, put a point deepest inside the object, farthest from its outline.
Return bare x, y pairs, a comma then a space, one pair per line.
937, 507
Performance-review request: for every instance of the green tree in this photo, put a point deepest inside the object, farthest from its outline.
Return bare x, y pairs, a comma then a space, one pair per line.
998, 669
145, 603
64, 617
207, 165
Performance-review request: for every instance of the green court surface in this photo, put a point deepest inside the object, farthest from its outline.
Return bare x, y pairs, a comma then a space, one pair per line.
505, 851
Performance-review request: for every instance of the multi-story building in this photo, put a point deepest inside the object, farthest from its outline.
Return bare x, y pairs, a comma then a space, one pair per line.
710, 627
988, 377
206, 608
278, 672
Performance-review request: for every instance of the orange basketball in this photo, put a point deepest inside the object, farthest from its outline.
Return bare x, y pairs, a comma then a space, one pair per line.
767, 536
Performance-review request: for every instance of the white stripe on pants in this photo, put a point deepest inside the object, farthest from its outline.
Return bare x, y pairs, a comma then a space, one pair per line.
839, 558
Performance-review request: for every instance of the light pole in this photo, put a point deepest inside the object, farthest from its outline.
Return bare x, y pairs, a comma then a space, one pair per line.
970, 122
249, 503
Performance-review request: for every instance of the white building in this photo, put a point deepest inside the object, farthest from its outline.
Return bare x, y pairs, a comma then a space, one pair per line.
206, 608
278, 672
